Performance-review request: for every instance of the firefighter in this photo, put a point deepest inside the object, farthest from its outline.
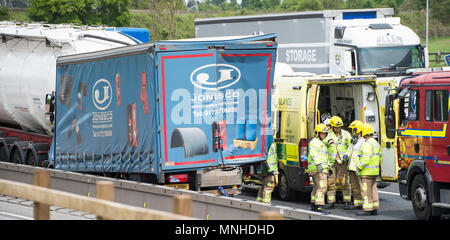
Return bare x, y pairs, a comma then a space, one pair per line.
368, 169
338, 142
318, 167
269, 174
355, 151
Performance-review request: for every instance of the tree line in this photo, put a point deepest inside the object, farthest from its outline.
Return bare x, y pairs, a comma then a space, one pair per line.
170, 19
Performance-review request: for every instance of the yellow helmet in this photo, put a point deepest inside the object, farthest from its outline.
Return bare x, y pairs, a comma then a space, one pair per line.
336, 121
320, 128
354, 126
366, 129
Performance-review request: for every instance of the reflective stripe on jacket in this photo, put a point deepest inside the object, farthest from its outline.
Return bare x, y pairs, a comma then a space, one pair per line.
317, 155
369, 162
341, 145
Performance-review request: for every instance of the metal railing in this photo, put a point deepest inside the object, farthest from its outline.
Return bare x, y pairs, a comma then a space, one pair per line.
438, 56
103, 205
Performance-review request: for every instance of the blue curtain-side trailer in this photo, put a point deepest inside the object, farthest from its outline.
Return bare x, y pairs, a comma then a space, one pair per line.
190, 113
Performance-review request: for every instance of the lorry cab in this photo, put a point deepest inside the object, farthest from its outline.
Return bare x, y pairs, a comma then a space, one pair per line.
379, 46
423, 143
299, 103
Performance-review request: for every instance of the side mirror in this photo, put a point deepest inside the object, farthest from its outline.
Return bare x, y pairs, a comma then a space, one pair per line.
388, 111
50, 107
404, 92
389, 116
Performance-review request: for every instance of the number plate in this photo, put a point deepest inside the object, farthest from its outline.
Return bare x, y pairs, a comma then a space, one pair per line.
178, 185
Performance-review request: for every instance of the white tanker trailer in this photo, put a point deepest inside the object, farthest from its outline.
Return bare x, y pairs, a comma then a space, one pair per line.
28, 55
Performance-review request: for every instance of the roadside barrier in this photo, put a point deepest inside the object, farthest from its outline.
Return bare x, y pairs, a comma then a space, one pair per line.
103, 205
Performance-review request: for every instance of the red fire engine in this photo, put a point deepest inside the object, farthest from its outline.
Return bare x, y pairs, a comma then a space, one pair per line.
423, 148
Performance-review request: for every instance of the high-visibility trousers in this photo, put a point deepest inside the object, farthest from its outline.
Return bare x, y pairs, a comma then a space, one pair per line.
355, 183
319, 188
369, 193
265, 191
342, 181
331, 185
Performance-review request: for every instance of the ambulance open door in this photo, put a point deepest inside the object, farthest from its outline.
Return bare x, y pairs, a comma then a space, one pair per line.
388, 134
312, 111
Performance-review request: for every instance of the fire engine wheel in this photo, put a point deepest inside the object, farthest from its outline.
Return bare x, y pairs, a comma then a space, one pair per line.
420, 199
285, 193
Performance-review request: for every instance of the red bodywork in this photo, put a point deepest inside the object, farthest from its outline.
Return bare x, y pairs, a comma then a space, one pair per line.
427, 137
26, 136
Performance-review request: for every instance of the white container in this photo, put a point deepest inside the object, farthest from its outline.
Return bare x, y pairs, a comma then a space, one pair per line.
28, 66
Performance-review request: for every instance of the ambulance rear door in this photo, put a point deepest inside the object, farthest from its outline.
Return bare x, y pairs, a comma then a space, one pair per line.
387, 135
312, 113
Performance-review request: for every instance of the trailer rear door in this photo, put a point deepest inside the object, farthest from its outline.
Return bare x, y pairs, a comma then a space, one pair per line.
228, 88
184, 136
245, 112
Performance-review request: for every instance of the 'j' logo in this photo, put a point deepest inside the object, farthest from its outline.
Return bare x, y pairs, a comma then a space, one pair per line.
101, 94
215, 76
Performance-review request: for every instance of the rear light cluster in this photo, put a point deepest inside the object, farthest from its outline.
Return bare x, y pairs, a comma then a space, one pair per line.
303, 152
178, 178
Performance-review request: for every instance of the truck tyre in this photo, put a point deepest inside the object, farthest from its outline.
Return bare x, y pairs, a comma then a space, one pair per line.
4, 153
31, 159
37, 154
286, 194
16, 157
420, 198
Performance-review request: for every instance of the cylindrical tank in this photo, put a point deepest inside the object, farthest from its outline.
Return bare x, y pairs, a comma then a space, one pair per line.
28, 66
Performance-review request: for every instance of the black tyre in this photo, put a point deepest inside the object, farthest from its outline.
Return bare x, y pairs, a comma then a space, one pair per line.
420, 198
4, 153
16, 158
31, 160
284, 191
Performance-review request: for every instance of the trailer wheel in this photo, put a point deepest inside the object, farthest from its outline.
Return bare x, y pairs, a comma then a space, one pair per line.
420, 198
31, 160
285, 193
16, 157
4, 153
37, 154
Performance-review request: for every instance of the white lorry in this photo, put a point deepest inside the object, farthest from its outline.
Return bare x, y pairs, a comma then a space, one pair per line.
339, 42
28, 66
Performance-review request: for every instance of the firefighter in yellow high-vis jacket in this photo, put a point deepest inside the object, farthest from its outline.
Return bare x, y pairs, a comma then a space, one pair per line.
338, 142
269, 174
318, 167
368, 169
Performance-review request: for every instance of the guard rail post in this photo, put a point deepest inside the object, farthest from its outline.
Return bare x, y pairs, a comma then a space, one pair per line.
270, 215
182, 205
104, 191
41, 179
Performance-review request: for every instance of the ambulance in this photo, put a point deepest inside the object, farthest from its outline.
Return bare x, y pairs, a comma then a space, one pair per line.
299, 101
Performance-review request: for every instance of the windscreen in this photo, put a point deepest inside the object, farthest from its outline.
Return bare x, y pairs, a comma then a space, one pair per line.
397, 58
